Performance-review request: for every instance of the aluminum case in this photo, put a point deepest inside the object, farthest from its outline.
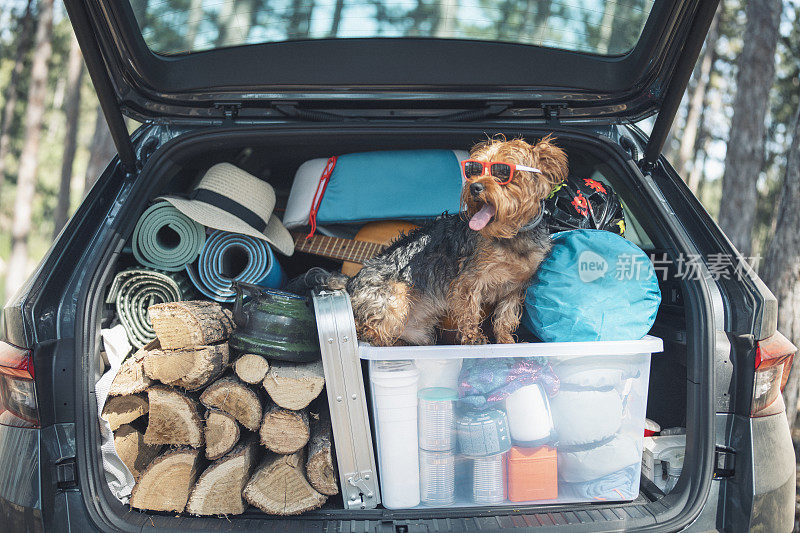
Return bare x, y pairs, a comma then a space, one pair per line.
344, 382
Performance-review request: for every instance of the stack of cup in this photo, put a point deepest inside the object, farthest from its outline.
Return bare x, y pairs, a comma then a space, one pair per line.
394, 390
489, 479
437, 478
436, 443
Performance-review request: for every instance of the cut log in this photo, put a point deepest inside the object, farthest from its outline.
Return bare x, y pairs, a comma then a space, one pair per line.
219, 489
320, 469
130, 446
221, 433
131, 377
284, 431
235, 398
120, 410
189, 324
251, 368
190, 368
294, 385
173, 418
279, 486
166, 483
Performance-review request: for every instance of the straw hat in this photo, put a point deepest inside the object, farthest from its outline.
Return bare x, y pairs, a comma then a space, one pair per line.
230, 199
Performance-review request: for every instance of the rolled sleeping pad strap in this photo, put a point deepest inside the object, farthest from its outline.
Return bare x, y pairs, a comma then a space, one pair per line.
228, 257
134, 290
166, 239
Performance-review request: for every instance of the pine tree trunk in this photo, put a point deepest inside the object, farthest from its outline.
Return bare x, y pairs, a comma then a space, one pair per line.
12, 89
101, 151
745, 156
781, 268
72, 108
336, 19
696, 103
26, 176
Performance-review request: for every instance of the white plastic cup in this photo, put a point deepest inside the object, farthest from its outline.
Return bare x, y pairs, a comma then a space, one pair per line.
394, 393
529, 419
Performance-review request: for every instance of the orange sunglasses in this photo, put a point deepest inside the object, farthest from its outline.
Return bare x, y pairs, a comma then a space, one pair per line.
501, 172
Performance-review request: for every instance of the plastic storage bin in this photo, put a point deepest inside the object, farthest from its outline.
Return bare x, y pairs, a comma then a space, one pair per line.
505, 424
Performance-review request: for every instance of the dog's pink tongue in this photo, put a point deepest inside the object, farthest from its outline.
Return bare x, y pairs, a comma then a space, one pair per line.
482, 217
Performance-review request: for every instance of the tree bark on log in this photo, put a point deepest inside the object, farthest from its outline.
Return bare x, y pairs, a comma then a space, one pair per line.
294, 385
235, 398
219, 489
189, 368
279, 486
131, 448
251, 368
166, 483
221, 433
173, 418
284, 431
120, 410
320, 467
190, 324
131, 377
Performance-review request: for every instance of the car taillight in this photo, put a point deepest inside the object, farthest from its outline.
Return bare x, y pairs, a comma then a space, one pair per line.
774, 357
18, 405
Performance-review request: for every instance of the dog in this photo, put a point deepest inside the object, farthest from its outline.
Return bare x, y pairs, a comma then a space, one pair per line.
456, 265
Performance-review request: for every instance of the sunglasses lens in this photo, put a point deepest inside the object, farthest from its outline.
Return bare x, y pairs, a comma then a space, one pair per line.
472, 169
501, 171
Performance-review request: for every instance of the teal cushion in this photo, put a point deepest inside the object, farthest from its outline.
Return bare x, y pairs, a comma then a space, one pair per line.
402, 184
593, 286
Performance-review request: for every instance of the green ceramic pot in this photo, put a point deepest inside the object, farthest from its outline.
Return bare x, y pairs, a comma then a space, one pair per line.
275, 324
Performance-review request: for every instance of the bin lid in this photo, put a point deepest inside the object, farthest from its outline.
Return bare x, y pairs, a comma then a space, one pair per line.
644, 346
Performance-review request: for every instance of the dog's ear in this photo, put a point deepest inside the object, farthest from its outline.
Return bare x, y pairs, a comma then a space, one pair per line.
552, 160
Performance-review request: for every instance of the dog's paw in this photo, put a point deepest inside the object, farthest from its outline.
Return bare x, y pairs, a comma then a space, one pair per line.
505, 338
475, 338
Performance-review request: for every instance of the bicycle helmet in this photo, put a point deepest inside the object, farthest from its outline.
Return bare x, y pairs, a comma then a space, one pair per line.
584, 203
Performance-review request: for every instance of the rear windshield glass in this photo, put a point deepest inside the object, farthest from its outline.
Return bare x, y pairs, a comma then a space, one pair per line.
600, 27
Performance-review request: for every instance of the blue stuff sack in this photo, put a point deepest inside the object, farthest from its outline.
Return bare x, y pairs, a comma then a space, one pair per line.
402, 184
593, 286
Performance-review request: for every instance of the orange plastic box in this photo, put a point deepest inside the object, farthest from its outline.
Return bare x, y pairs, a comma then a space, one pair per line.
532, 474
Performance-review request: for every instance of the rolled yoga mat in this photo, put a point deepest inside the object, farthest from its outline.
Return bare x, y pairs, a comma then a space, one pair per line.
228, 257
166, 239
134, 290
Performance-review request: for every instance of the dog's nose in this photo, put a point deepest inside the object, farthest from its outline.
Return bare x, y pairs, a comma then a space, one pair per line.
476, 188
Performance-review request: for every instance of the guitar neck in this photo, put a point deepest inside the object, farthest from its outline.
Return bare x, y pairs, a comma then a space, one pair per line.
337, 247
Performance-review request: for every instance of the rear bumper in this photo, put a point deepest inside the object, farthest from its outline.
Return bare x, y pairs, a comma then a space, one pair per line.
20, 494
761, 494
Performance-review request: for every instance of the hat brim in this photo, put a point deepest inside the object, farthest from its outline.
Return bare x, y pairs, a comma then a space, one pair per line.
215, 218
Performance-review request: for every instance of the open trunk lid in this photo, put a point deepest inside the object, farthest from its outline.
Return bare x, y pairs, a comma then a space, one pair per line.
557, 60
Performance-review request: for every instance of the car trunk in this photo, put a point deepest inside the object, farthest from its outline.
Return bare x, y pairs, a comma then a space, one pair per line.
276, 152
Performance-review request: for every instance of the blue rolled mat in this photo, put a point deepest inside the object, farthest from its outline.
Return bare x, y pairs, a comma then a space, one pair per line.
228, 257
166, 239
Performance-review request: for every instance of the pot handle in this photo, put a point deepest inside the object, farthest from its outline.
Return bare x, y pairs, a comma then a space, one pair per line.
240, 316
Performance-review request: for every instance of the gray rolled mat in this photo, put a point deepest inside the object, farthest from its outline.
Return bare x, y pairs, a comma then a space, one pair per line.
166, 239
134, 290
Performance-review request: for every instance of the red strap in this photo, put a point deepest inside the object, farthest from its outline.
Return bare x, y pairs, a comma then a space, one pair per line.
319, 193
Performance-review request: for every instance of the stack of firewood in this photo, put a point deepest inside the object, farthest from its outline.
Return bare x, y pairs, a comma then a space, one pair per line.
216, 435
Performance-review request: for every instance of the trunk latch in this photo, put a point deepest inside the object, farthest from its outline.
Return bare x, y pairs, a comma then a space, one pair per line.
551, 113
229, 111
724, 462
